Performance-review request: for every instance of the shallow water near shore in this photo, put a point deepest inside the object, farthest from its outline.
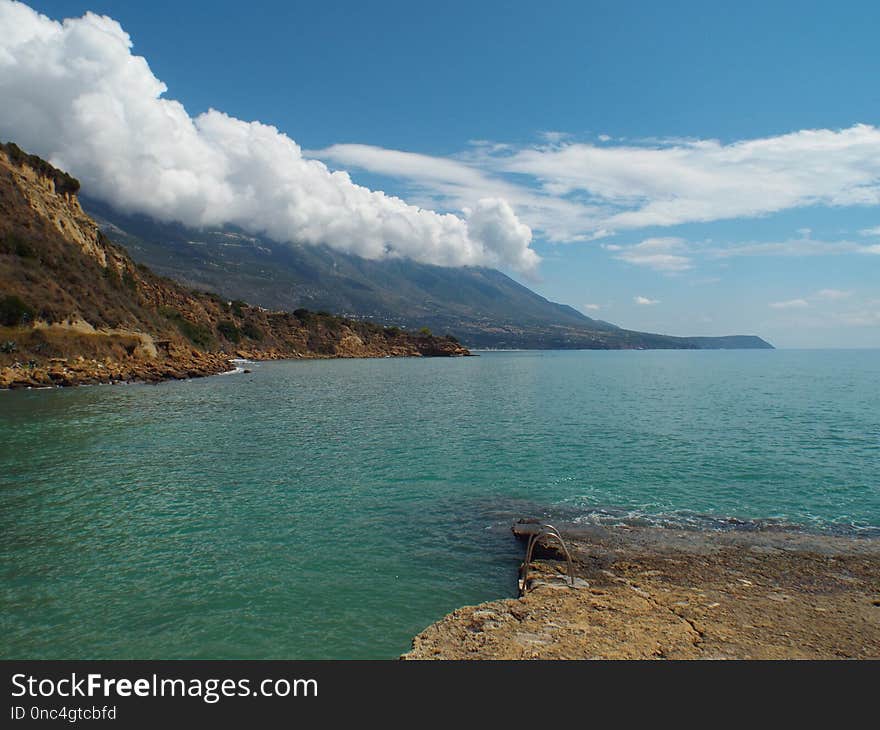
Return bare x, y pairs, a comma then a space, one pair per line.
333, 509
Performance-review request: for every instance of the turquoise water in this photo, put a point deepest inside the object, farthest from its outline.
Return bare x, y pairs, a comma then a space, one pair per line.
334, 508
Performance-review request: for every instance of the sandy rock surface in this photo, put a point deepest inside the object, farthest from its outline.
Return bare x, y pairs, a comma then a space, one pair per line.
659, 594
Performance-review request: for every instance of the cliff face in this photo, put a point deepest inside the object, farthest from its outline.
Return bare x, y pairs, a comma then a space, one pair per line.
75, 308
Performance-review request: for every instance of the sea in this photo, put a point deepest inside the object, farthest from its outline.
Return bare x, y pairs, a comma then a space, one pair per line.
332, 509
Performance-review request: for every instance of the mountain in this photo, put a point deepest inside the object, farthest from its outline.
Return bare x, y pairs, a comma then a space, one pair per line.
74, 306
482, 307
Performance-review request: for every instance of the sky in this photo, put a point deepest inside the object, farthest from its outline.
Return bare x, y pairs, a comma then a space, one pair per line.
689, 168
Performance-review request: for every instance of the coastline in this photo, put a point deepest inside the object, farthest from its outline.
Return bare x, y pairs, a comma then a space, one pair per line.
662, 593
182, 365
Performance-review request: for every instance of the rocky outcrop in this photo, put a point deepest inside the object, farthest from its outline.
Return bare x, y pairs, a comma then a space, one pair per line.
663, 594
61, 372
74, 308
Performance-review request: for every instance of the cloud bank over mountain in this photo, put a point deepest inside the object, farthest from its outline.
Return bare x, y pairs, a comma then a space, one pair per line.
74, 92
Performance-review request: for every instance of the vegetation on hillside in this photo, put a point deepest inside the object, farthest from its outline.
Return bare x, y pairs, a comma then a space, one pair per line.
67, 291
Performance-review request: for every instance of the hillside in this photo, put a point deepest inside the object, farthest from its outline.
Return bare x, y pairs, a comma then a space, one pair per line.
481, 307
75, 308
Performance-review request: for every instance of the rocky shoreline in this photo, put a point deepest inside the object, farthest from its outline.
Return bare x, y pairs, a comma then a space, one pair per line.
659, 593
183, 364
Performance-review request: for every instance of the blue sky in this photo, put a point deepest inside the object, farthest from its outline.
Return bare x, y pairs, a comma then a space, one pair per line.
660, 153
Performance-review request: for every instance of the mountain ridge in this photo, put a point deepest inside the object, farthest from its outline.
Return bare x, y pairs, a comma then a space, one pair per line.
482, 307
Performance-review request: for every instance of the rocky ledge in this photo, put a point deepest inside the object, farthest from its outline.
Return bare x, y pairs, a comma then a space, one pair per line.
661, 594
65, 372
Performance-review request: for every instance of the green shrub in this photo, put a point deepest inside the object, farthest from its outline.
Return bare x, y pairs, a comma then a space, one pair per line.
119, 281
251, 331
112, 278
238, 307
424, 332
128, 280
229, 330
392, 331
197, 334
8, 347
13, 311
321, 346
17, 246
217, 299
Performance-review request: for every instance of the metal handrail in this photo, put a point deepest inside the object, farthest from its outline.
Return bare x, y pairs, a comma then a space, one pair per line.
545, 531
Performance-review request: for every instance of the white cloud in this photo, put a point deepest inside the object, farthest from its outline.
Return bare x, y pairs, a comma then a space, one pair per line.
74, 92
864, 314
592, 307
554, 137
577, 191
823, 314
660, 254
457, 184
791, 247
645, 301
494, 223
790, 304
705, 180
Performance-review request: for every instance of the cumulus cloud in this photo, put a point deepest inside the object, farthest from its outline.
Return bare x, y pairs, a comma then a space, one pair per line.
494, 222
458, 184
593, 307
74, 92
833, 294
645, 301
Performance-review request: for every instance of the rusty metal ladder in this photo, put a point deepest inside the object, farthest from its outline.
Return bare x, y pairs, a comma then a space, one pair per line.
546, 531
